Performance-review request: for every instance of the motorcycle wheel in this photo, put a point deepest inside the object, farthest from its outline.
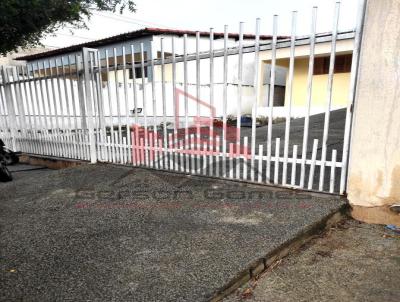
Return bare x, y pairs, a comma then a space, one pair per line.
5, 175
10, 158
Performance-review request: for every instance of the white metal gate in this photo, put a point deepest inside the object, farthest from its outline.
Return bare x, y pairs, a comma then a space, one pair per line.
182, 109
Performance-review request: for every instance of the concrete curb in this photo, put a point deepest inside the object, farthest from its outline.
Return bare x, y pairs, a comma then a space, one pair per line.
50, 162
260, 265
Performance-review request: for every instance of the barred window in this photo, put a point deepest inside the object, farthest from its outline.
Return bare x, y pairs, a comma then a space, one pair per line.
342, 64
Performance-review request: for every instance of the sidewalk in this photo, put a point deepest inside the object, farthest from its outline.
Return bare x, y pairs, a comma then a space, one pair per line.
113, 233
352, 262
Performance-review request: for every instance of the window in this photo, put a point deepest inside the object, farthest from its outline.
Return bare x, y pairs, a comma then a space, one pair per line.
342, 64
138, 73
166, 55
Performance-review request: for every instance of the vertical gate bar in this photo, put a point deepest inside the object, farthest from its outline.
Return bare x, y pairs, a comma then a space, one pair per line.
245, 154
66, 93
312, 166
28, 107
20, 105
174, 96
60, 140
144, 102
309, 96
53, 94
294, 166
290, 100
54, 101
333, 170
110, 108
260, 162
97, 80
217, 154
276, 166
255, 104
36, 100
5, 128
59, 95
29, 85
225, 100
135, 103
118, 103
192, 162
47, 93
109, 150
352, 92
171, 151
212, 108
43, 92
117, 147
141, 147
102, 119
42, 97
231, 155
92, 62
164, 107
27, 112
81, 93
89, 108
329, 96
204, 158
153, 96
185, 88
239, 99
72, 92
198, 138
181, 156
151, 148
19, 98
271, 97
71, 82
10, 109
126, 99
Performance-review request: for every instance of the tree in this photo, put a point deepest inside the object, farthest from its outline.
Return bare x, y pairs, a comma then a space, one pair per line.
23, 23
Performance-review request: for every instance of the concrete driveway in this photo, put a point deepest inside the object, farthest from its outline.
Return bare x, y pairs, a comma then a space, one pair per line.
113, 233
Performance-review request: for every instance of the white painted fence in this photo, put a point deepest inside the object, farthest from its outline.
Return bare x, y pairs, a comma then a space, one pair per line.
91, 109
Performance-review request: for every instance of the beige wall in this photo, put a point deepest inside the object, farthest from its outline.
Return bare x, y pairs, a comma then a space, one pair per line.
340, 87
374, 171
341, 80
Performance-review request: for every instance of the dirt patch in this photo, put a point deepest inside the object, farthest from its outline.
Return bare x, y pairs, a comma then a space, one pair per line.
353, 261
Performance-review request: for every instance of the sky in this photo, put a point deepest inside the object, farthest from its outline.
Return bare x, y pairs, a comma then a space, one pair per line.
201, 15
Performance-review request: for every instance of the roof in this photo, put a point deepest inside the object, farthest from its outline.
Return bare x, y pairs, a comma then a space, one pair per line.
148, 31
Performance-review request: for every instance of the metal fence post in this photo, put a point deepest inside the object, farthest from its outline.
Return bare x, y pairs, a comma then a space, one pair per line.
10, 107
89, 104
81, 93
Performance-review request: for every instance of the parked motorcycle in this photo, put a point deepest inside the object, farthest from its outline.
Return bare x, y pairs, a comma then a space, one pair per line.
7, 157
5, 174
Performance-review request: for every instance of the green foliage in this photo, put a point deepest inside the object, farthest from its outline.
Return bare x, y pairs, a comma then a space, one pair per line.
23, 23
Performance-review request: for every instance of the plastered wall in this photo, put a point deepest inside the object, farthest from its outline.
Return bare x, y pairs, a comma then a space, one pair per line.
374, 167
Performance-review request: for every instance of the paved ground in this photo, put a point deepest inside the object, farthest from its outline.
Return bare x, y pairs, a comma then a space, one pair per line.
353, 262
316, 128
107, 233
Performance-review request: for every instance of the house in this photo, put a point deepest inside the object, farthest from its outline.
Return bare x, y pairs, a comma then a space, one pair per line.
151, 39
341, 77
